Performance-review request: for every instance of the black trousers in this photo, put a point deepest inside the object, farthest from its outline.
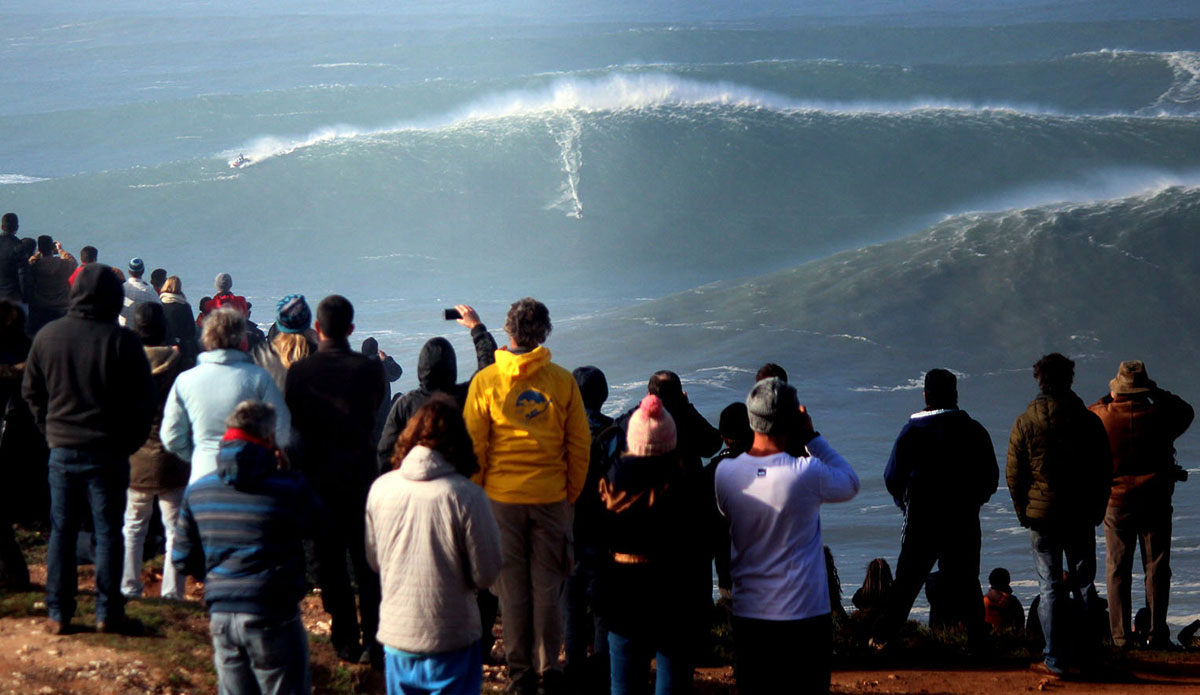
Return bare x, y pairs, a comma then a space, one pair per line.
347, 534
783, 656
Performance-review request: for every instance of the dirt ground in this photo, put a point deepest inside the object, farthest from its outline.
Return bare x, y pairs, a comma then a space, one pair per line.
34, 662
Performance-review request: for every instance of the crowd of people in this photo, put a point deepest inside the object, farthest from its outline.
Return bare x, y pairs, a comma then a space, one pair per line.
424, 515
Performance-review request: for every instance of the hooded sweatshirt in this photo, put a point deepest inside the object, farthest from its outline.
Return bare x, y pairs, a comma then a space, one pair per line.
437, 371
433, 539
241, 527
525, 415
87, 380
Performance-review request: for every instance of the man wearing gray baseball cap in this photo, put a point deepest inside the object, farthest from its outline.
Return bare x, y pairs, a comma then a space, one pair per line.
772, 503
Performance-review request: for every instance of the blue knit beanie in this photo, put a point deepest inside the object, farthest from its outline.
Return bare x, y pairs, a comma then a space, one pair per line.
293, 315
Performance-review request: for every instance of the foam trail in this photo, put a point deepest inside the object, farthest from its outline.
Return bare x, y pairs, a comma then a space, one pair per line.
613, 93
15, 179
571, 152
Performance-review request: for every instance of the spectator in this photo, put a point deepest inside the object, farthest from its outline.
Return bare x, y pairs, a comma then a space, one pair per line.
872, 597
50, 267
333, 396
14, 262
153, 471
88, 254
772, 501
81, 372
941, 471
137, 291
293, 318
204, 396
1059, 474
526, 418
1143, 422
181, 323
158, 276
240, 533
224, 298
14, 349
437, 372
432, 537
392, 372
1002, 610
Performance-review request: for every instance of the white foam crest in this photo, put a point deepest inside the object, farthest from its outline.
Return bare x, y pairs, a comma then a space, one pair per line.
1184, 89
17, 179
351, 65
568, 96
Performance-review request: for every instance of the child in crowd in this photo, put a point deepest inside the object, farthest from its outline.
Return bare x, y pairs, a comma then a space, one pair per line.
1002, 610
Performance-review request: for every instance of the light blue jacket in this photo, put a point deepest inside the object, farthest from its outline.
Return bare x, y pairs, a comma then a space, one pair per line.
203, 396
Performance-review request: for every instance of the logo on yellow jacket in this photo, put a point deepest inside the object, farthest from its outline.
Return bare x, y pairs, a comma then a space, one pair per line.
532, 403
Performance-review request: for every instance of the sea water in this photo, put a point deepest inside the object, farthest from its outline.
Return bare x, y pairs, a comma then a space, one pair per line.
859, 192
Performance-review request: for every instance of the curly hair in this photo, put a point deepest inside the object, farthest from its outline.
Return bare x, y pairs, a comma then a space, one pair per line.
439, 425
1054, 372
528, 322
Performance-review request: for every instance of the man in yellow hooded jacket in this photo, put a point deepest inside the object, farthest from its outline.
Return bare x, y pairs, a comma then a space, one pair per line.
526, 418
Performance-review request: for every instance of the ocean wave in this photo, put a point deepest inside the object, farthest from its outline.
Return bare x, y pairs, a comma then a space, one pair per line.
15, 179
1184, 90
352, 65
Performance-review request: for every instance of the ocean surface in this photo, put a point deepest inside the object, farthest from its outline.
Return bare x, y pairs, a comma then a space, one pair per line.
858, 191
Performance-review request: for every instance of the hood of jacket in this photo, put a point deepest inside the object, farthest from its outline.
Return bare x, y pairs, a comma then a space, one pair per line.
423, 463
161, 359
437, 366
172, 298
97, 294
243, 461
224, 356
519, 366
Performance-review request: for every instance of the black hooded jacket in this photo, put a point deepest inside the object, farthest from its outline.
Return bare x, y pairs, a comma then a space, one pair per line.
14, 269
437, 370
87, 380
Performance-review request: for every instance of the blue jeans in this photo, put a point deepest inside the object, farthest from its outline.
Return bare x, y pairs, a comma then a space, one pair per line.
1064, 624
78, 480
256, 654
630, 657
456, 672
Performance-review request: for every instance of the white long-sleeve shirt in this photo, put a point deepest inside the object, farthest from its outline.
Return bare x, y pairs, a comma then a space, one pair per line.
773, 504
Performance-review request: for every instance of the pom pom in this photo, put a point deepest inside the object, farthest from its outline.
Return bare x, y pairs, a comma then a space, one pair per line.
651, 407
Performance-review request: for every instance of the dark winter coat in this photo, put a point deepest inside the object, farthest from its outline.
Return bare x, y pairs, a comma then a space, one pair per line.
87, 380
333, 395
181, 327
942, 464
1142, 429
14, 269
437, 371
697, 438
152, 467
1059, 466
589, 509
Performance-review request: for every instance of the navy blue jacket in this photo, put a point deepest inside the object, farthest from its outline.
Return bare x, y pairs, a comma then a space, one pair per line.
943, 463
240, 531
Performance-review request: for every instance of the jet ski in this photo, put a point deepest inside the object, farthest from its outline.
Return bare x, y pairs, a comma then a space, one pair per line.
241, 161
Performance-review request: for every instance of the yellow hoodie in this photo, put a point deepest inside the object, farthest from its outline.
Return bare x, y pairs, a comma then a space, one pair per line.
525, 415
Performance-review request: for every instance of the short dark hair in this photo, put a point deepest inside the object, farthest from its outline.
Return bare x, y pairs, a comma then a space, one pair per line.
157, 277
335, 314
666, 385
771, 370
592, 385
1054, 372
88, 254
941, 389
528, 322
45, 244
150, 323
439, 425
9, 222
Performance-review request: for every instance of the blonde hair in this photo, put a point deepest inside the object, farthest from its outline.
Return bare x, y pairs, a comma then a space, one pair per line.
291, 348
173, 285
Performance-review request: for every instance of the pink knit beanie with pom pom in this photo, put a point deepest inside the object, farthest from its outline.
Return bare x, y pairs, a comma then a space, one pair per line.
651, 429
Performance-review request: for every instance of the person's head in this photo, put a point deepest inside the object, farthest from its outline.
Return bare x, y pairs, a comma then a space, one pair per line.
370, 347
999, 578
879, 579
335, 317
172, 285
157, 277
9, 223
97, 293
224, 282
137, 267
224, 329
1054, 372
439, 425
204, 301
150, 323
771, 370
88, 254
593, 385
734, 427
45, 245
941, 389
12, 323
255, 418
291, 348
771, 407
292, 314
666, 385
28, 247
117, 273
651, 429
1131, 379
527, 323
